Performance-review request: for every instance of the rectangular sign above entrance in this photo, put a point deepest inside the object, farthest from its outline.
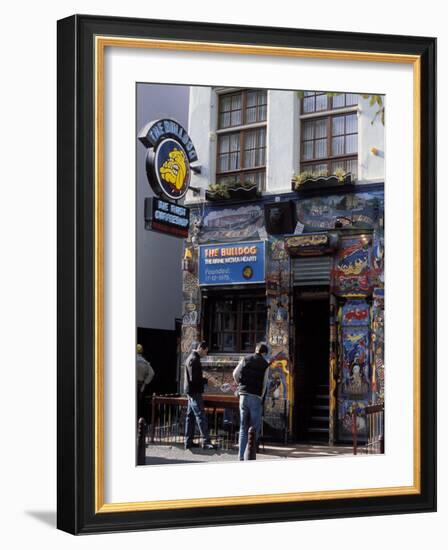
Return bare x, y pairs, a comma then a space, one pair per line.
234, 263
167, 217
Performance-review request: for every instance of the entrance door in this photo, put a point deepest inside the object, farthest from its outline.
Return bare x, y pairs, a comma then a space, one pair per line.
311, 391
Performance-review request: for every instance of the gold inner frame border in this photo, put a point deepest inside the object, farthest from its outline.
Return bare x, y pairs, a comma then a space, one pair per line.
101, 42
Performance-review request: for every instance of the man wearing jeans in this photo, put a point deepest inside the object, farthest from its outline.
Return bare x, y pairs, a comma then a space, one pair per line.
251, 375
194, 388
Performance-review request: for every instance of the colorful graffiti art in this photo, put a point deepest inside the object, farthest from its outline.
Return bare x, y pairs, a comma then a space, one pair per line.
378, 345
345, 413
233, 224
318, 213
355, 373
353, 268
355, 382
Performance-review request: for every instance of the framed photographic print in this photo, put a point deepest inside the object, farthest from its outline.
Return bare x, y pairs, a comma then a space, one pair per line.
246, 274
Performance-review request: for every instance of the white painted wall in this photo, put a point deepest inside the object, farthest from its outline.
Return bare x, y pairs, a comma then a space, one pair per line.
202, 125
283, 139
370, 136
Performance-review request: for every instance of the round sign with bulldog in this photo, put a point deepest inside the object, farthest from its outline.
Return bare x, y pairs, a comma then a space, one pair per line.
172, 169
170, 152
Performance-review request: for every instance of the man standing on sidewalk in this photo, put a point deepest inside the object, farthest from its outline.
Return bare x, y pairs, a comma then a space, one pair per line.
144, 375
251, 375
194, 388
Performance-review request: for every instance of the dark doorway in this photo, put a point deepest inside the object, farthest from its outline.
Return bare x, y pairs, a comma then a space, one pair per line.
311, 388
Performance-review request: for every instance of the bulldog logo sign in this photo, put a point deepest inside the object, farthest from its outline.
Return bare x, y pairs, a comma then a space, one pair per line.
170, 152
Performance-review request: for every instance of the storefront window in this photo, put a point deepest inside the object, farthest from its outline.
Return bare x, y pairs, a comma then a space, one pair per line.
235, 323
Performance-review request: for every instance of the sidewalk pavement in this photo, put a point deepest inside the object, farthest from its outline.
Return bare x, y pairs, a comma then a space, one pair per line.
175, 453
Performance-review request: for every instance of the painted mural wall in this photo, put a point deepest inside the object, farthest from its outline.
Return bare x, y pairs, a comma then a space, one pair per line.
356, 353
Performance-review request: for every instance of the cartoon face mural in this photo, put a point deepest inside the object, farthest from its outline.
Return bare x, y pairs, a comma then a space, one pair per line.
172, 169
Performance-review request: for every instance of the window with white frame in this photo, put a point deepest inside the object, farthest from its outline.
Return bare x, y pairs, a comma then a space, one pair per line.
241, 147
329, 133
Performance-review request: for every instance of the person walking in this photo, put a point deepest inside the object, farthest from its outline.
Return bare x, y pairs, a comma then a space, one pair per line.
144, 375
194, 383
251, 375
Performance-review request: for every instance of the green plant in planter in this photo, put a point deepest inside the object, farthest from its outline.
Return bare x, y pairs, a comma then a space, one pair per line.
222, 188
248, 184
305, 175
302, 177
340, 173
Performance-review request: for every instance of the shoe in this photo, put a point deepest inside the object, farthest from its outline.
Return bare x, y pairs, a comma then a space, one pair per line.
208, 447
191, 446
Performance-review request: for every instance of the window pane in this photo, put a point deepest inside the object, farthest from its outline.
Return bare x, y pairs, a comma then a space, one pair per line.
351, 122
234, 142
338, 145
235, 118
308, 130
248, 322
251, 99
249, 159
234, 161
338, 126
229, 343
338, 101
261, 135
247, 341
224, 143
351, 144
320, 148
225, 103
321, 102
321, 128
351, 99
223, 163
251, 115
224, 121
307, 150
321, 168
250, 139
260, 157
262, 113
236, 102
352, 166
308, 105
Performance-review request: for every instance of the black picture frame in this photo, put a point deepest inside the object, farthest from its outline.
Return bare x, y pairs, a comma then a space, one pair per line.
77, 495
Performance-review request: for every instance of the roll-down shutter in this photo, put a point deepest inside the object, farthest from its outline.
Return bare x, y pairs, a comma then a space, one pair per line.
312, 270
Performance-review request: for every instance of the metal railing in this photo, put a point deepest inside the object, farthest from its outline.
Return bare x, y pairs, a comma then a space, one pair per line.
374, 419
168, 413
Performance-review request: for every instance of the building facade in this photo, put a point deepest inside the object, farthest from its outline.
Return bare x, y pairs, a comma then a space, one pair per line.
286, 245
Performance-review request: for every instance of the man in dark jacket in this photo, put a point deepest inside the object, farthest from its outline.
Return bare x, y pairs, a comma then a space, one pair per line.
194, 388
251, 375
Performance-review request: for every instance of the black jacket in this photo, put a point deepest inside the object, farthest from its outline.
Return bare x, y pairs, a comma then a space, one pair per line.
194, 381
251, 376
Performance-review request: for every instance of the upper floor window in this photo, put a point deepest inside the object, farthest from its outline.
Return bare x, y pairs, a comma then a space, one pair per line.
329, 141
241, 151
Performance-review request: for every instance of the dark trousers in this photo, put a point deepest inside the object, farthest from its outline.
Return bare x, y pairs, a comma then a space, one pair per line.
142, 403
196, 415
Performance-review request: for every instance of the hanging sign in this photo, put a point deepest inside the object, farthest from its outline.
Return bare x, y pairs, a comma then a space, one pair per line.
170, 152
166, 217
237, 263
